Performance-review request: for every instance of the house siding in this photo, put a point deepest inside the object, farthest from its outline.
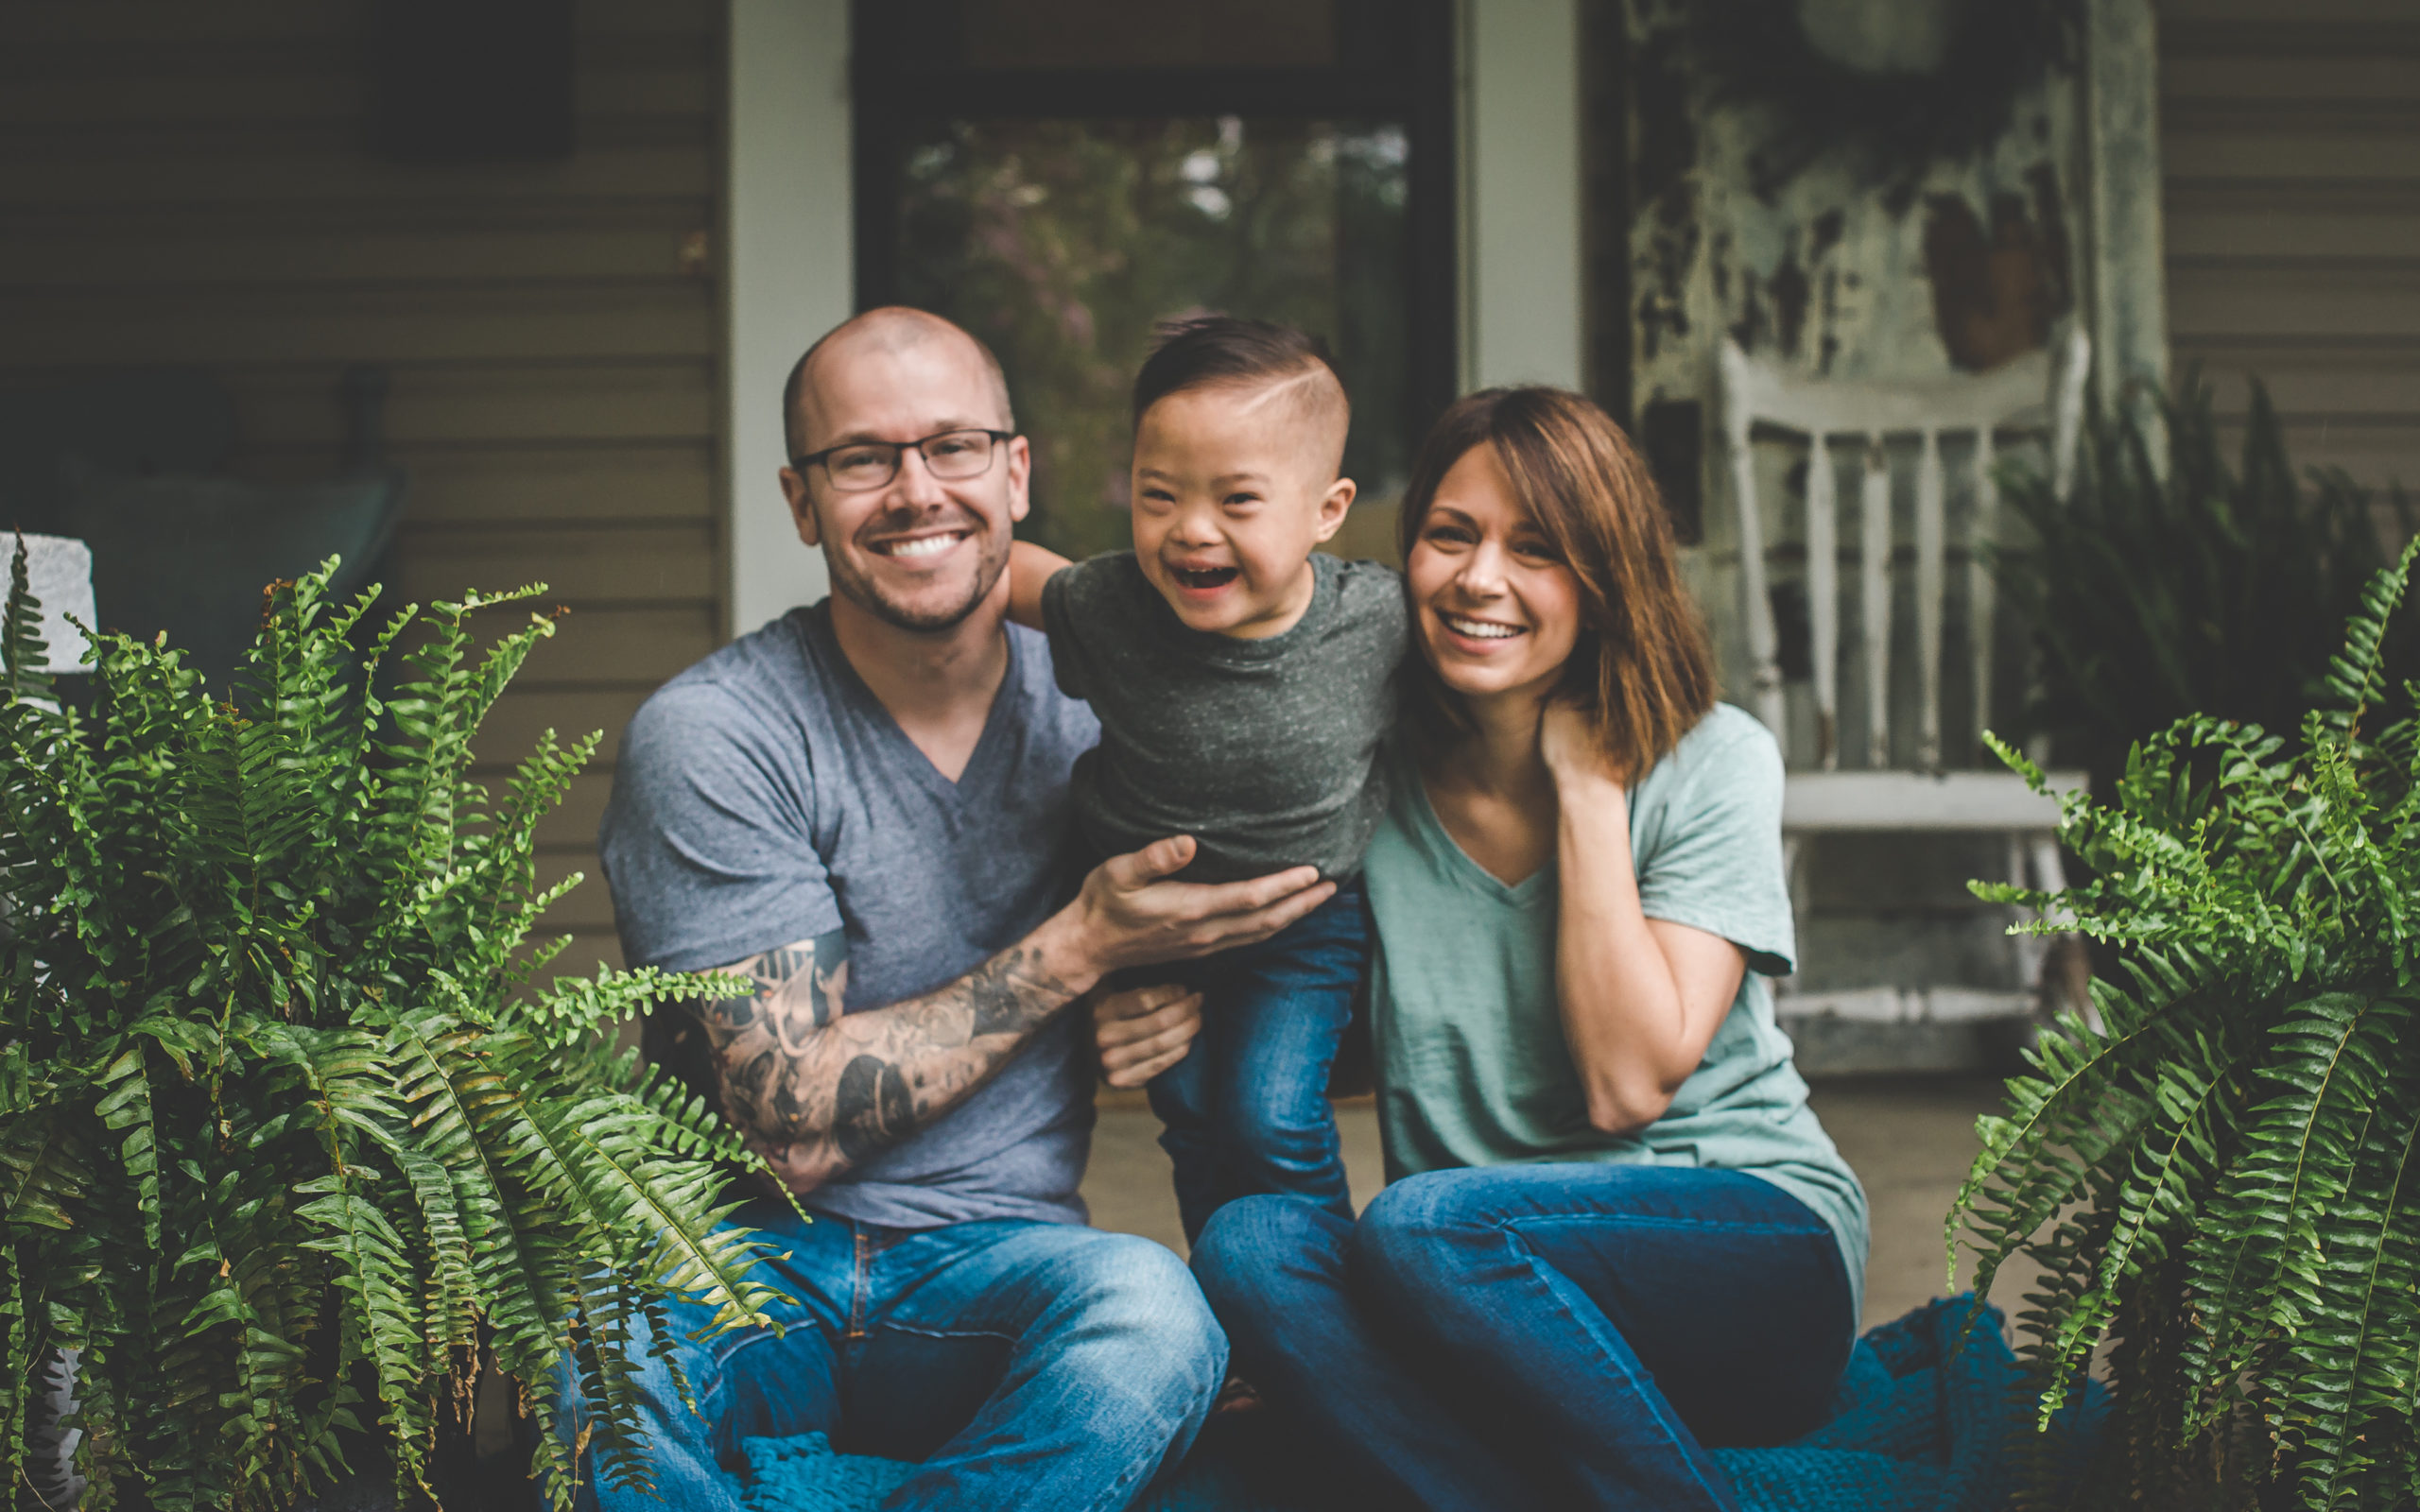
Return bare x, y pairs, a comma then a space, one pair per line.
2291, 147
187, 184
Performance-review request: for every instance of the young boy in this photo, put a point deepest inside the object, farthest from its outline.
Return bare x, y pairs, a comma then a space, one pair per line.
1243, 682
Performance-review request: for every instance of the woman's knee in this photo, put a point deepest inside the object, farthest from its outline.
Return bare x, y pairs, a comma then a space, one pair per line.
1418, 1240
1419, 1208
1258, 1252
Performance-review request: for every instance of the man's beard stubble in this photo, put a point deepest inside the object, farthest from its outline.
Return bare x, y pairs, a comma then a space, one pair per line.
862, 591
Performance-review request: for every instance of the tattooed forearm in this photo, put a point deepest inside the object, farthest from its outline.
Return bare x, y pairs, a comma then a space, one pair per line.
872, 1108
799, 990
819, 1091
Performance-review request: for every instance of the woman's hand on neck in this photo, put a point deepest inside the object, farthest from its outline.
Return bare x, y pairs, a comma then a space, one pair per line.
1574, 758
1505, 752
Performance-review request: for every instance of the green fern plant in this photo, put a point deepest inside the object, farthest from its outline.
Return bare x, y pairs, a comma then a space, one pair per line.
285, 1131
2220, 1173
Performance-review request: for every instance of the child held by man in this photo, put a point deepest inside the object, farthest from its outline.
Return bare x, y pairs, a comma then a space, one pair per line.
1243, 681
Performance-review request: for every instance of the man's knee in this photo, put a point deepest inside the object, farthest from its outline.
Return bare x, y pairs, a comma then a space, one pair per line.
1137, 1293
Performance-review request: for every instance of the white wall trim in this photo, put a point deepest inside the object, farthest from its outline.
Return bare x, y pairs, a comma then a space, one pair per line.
2126, 276
788, 270
1520, 213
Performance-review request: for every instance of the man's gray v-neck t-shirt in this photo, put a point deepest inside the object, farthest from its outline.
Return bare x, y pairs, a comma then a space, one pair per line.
766, 797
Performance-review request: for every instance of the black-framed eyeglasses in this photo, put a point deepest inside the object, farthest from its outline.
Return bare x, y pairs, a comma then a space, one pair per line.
855, 467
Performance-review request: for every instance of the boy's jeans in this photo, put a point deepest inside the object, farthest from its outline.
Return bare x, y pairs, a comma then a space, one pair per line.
1533, 1336
1023, 1364
1247, 1111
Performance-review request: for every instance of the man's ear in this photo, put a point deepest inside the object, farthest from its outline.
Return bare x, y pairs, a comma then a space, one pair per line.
802, 506
1020, 474
1338, 499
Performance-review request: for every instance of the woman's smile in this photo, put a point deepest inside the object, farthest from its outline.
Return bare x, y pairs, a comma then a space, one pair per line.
1470, 627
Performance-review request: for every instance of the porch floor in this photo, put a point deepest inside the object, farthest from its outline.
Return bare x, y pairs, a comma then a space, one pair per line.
1910, 1139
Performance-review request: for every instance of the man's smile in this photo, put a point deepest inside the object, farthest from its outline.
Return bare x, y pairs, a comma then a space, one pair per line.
925, 545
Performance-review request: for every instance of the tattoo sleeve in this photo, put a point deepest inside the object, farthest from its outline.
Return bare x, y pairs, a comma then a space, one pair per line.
819, 1091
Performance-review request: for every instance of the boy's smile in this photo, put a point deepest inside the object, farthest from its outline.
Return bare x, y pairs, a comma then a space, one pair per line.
1233, 491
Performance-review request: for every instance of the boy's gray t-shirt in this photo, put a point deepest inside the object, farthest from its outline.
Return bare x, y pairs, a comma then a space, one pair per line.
764, 796
1265, 751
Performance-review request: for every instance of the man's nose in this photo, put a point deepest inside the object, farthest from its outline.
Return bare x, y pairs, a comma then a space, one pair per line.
915, 485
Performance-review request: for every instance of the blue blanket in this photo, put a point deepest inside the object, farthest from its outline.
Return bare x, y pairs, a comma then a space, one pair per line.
1920, 1425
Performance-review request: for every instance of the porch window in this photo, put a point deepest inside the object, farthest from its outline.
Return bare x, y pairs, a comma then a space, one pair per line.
1058, 175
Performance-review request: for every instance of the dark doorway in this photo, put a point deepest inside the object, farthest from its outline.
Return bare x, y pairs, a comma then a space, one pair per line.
1058, 175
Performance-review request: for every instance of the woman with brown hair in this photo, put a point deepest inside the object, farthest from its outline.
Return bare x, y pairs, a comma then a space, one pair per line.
1616, 1233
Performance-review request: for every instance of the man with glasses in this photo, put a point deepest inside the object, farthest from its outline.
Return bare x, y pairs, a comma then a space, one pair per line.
862, 808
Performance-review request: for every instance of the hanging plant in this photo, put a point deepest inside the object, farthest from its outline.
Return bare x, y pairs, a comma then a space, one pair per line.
1867, 84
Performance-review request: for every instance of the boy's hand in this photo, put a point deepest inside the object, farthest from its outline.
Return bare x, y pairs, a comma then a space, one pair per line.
1129, 913
1029, 567
1144, 1030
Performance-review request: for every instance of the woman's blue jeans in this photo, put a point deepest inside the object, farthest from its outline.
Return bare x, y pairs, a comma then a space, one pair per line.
1555, 1335
1247, 1111
1022, 1363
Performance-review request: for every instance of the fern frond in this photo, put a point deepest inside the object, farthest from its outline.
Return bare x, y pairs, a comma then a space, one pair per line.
2174, 1153
2357, 675
2351, 1379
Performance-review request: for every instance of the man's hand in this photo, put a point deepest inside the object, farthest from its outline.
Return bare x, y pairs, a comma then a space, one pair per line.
1144, 1030
1129, 913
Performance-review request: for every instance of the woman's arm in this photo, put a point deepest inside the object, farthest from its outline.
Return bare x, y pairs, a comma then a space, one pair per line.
1640, 997
1029, 567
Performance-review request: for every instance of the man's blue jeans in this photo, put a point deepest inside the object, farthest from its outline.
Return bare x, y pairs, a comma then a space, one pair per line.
1247, 1111
1551, 1335
1023, 1364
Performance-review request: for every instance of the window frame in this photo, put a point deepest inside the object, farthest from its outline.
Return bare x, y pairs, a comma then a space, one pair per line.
884, 95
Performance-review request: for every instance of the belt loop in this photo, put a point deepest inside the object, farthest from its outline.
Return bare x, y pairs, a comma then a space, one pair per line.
857, 1290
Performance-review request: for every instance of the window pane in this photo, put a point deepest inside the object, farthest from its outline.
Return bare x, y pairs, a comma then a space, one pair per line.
1122, 34
1062, 242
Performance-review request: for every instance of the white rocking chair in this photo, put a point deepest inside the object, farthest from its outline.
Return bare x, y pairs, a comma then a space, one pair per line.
2031, 393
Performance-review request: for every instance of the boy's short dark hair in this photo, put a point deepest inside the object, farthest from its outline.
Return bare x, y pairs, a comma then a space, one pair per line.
1205, 350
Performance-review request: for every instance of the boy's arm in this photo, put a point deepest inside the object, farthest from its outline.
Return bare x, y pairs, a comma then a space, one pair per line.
1029, 567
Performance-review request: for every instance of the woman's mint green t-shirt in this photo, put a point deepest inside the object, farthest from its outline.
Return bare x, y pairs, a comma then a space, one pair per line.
1473, 1067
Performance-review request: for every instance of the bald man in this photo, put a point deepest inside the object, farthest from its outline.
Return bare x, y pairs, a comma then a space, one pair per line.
863, 809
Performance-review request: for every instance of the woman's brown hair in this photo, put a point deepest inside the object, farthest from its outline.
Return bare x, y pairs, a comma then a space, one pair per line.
1642, 669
